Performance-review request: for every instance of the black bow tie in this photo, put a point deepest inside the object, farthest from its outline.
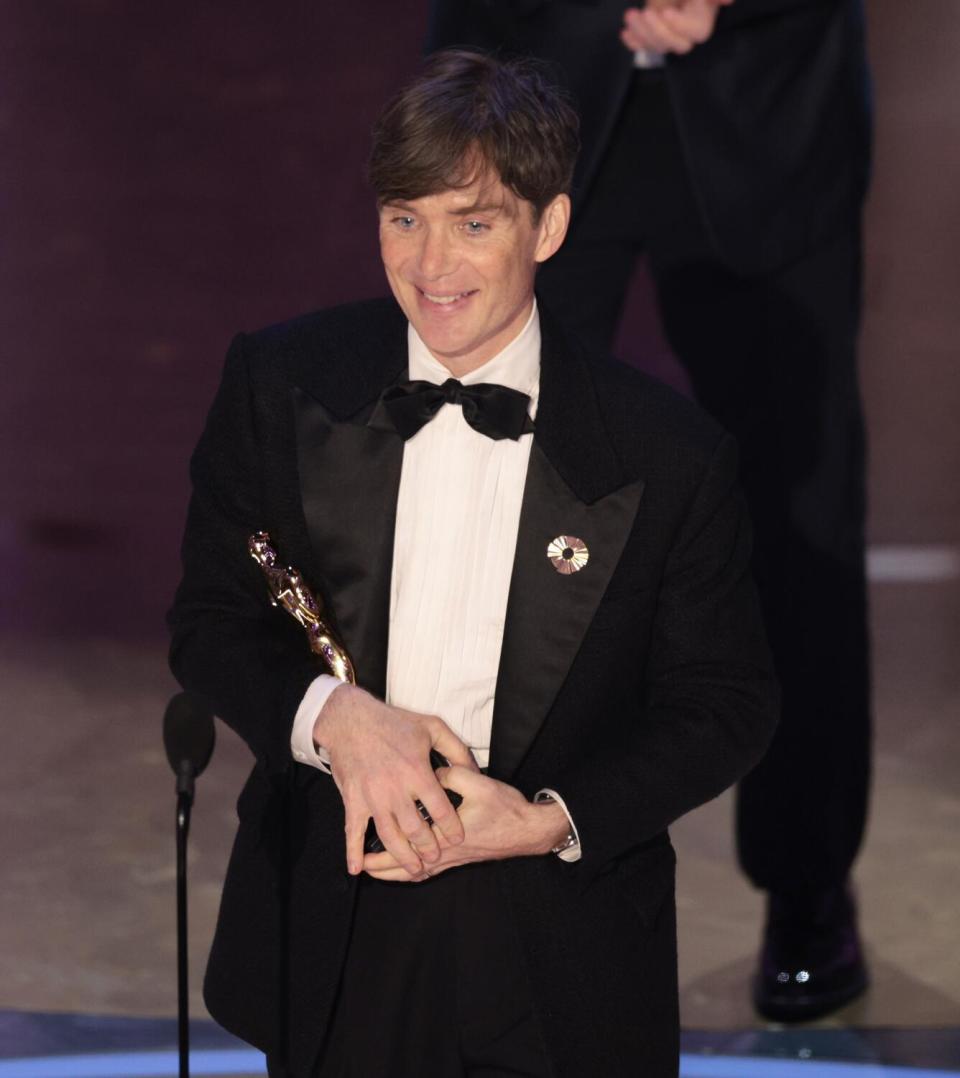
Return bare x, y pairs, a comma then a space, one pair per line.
496, 411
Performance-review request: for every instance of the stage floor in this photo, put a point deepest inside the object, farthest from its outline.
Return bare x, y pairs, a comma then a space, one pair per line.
84, 1046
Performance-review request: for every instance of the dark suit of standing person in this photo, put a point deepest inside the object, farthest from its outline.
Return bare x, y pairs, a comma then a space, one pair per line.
538, 561
738, 163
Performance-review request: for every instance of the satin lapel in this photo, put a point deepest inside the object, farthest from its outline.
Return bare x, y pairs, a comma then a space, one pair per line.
349, 477
548, 612
576, 487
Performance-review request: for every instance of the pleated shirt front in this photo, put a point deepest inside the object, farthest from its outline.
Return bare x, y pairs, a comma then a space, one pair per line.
458, 513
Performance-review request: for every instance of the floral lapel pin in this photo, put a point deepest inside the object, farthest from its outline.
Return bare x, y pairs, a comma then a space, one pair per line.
567, 554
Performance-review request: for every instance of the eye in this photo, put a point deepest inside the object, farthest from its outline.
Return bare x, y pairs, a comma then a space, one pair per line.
405, 222
474, 228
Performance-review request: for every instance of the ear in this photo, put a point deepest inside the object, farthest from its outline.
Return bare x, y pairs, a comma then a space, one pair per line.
552, 228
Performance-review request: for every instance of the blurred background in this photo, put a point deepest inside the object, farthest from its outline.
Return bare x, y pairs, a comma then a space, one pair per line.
174, 173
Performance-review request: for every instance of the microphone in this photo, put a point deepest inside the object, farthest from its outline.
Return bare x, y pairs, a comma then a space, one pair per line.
188, 737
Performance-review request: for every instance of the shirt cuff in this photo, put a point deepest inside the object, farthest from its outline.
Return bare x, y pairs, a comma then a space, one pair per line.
647, 60
301, 736
571, 853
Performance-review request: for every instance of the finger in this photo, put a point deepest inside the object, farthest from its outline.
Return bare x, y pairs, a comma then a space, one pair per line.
635, 42
446, 822
644, 36
396, 875
446, 742
632, 33
355, 829
664, 38
383, 866
379, 862
444, 843
460, 779
396, 842
693, 26
418, 833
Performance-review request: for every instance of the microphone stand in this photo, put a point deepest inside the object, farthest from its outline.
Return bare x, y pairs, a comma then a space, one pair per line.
185, 787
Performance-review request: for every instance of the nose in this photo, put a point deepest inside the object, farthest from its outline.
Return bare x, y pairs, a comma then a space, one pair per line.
435, 257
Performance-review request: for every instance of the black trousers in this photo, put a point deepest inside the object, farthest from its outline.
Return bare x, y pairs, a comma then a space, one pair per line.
773, 358
433, 985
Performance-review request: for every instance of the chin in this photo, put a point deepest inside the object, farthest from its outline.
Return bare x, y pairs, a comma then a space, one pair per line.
441, 343
444, 350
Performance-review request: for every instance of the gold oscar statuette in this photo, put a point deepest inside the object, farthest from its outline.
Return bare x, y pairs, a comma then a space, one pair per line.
288, 590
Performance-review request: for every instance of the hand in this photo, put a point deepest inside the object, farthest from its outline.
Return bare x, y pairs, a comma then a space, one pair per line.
498, 822
675, 28
379, 757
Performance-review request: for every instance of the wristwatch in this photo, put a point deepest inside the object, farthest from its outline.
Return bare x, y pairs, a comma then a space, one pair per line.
543, 798
568, 843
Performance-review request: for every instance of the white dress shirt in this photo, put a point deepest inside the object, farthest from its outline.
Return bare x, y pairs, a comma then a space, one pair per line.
458, 513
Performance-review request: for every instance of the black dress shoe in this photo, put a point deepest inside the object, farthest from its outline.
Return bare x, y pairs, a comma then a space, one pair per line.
811, 962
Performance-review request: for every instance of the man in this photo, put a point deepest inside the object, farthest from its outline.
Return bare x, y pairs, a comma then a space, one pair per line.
538, 564
730, 143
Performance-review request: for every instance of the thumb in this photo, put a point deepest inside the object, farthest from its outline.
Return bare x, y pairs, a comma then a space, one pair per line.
446, 742
458, 779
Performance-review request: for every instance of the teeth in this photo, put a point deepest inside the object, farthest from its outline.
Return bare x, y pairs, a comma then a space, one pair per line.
444, 299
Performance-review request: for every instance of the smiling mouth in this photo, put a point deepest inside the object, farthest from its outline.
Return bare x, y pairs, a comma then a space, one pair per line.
447, 299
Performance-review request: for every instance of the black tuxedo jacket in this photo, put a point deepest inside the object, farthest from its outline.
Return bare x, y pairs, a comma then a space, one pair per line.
638, 687
772, 111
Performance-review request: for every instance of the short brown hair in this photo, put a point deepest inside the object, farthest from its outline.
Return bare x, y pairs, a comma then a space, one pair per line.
469, 112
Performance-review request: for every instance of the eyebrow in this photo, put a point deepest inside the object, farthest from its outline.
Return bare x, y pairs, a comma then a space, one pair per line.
465, 211
479, 207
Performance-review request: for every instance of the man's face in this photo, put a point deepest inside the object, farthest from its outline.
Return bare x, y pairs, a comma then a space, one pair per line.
461, 265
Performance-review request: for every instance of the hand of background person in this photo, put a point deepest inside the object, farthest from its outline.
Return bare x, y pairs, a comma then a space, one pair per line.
498, 822
677, 28
379, 756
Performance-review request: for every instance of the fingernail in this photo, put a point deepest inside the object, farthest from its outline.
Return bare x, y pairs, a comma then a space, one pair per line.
353, 868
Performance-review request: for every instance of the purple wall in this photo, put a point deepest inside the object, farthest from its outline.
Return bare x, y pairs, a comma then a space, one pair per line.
171, 174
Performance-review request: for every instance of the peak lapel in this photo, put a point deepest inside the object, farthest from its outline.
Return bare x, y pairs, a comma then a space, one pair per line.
349, 476
575, 487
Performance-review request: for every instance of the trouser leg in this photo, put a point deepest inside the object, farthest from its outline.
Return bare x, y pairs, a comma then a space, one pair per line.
433, 985
640, 191
774, 359
499, 1033
585, 285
